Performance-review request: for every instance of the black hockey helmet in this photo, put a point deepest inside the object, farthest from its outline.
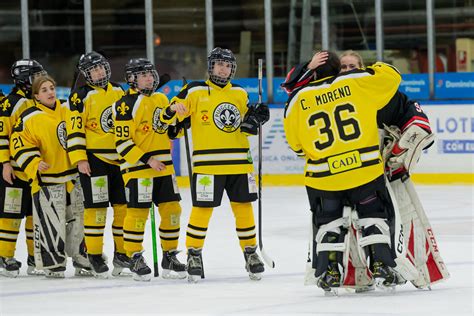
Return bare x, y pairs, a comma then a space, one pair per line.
24, 71
137, 66
90, 61
221, 54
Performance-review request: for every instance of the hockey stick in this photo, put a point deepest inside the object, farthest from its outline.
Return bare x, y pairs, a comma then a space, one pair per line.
164, 79
153, 238
266, 258
190, 172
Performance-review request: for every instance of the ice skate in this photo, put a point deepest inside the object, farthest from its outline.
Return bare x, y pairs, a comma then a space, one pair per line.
121, 262
330, 280
31, 270
99, 266
385, 277
172, 268
253, 264
141, 271
9, 267
194, 267
82, 266
55, 273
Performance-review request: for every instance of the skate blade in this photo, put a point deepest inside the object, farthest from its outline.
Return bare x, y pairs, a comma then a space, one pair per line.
143, 278
364, 289
101, 276
331, 292
54, 275
193, 278
9, 274
379, 283
119, 272
255, 276
171, 274
34, 271
81, 272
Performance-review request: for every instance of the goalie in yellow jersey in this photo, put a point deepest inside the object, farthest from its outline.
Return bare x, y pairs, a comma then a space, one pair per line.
147, 169
333, 123
221, 120
38, 145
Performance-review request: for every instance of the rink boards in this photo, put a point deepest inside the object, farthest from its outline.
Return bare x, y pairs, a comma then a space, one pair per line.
449, 160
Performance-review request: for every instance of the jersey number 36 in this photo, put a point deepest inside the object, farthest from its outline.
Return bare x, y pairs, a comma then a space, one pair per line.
347, 128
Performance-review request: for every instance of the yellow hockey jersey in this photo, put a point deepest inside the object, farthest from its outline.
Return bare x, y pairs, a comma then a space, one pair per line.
333, 122
216, 114
139, 135
40, 134
11, 108
89, 123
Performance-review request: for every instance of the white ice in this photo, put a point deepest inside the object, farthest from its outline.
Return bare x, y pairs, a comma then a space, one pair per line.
227, 288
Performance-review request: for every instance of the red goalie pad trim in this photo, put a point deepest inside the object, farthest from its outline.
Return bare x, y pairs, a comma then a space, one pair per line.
433, 269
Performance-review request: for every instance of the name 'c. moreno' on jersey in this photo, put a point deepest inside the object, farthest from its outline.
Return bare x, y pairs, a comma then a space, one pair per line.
216, 115
140, 135
333, 122
40, 135
11, 108
90, 123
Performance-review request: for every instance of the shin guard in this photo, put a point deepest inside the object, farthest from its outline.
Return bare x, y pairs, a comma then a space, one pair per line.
245, 224
170, 213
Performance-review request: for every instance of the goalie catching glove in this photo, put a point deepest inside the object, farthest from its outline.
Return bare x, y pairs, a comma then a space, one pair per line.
257, 114
404, 149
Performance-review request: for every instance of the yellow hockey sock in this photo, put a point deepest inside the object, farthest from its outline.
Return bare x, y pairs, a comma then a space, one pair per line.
197, 227
245, 224
170, 213
134, 229
94, 225
120, 210
9, 229
29, 235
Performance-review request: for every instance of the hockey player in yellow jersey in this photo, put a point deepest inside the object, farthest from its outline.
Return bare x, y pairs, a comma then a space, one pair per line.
220, 120
38, 145
142, 142
91, 146
332, 122
15, 194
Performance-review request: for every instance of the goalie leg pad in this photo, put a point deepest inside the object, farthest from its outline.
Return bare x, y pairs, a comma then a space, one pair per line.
49, 226
422, 249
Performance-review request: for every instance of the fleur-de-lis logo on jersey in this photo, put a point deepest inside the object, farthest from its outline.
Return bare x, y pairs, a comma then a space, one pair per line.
5, 105
75, 99
227, 117
122, 108
18, 123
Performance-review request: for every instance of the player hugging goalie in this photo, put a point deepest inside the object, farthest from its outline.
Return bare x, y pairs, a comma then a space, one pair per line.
367, 226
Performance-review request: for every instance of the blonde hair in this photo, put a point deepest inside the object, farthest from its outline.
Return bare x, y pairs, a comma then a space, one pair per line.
354, 54
39, 81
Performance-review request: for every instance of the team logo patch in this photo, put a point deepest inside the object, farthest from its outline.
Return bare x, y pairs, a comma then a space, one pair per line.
158, 126
106, 120
62, 134
227, 117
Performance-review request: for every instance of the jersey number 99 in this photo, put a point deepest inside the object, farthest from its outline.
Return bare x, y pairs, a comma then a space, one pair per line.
122, 131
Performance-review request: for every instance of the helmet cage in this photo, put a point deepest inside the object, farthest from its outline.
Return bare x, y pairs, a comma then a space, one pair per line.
221, 55
132, 80
91, 61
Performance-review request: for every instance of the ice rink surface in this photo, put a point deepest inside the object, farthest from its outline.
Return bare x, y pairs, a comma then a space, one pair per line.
227, 290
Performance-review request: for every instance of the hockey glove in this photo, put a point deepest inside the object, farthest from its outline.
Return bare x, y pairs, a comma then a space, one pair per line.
175, 130
405, 150
256, 115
